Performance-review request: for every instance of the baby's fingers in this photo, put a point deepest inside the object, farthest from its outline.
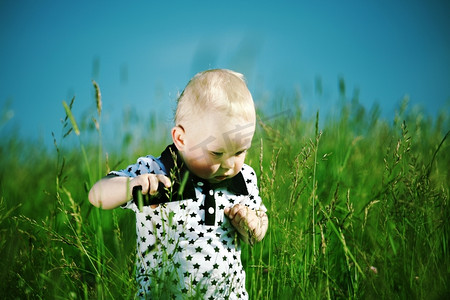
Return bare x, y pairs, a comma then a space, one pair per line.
253, 223
154, 183
237, 210
150, 182
164, 180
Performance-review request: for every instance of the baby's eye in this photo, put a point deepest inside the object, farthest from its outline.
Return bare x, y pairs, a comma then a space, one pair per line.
216, 154
240, 152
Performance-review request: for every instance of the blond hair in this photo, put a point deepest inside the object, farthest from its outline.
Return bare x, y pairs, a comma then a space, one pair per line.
215, 90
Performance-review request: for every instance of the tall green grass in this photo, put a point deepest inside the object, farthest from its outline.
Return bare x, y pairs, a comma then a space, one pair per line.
358, 208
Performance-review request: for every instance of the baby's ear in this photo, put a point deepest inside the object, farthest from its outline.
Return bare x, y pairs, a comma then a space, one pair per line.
178, 137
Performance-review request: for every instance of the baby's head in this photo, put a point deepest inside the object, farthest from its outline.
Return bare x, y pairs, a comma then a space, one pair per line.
221, 91
214, 124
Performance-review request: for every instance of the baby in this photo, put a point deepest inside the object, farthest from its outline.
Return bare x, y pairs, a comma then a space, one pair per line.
189, 231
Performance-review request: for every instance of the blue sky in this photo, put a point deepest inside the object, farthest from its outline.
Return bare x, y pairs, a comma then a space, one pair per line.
142, 53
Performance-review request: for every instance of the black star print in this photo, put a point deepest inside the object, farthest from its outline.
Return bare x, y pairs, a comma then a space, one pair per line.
224, 234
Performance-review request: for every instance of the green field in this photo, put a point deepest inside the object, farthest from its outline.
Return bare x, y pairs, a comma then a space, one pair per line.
358, 208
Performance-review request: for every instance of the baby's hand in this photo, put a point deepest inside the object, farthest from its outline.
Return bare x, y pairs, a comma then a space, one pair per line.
251, 224
149, 184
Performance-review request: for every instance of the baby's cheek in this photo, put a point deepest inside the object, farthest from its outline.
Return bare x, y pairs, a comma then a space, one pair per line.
238, 165
203, 169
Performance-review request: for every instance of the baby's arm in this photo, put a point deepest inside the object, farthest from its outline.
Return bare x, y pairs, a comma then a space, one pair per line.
113, 191
251, 224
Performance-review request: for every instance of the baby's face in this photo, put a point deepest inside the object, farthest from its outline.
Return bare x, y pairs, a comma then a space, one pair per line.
216, 146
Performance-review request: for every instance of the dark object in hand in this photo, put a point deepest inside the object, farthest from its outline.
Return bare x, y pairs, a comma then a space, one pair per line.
162, 196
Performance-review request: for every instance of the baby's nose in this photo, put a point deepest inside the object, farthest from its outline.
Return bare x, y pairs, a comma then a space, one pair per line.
228, 163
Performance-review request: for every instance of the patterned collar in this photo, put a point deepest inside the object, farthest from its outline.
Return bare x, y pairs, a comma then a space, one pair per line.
178, 172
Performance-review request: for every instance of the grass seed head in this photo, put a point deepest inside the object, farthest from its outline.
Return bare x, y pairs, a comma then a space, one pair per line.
98, 97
